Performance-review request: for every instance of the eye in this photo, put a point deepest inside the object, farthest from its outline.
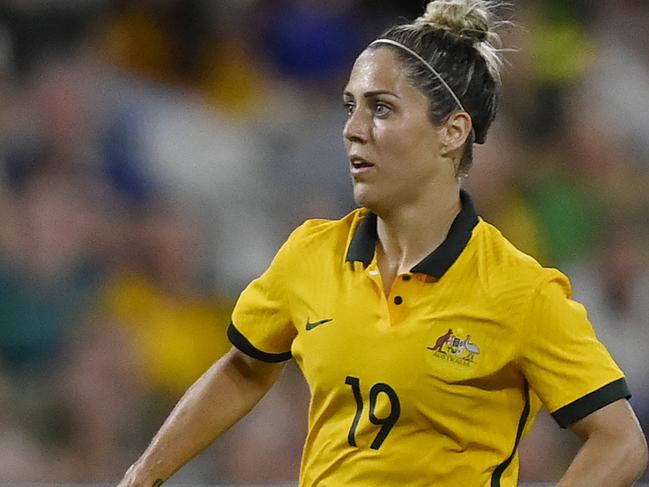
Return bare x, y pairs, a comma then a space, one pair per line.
349, 107
382, 110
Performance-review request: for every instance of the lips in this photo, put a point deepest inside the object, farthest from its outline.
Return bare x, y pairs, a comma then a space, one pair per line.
360, 165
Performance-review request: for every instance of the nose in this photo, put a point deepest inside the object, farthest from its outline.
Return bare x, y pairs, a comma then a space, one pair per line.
356, 127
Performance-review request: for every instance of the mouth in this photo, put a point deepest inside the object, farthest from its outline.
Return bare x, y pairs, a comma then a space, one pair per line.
360, 165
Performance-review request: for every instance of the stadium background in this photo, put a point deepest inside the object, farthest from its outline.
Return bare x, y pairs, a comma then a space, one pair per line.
155, 153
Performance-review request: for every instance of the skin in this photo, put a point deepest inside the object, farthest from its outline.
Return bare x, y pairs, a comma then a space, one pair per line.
223, 395
413, 173
412, 177
614, 453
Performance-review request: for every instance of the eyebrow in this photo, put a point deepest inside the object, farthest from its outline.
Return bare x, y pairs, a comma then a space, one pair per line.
370, 94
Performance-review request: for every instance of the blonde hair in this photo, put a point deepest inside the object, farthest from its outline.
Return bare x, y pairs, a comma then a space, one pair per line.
458, 42
471, 19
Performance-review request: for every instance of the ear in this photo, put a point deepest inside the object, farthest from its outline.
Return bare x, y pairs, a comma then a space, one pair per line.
455, 132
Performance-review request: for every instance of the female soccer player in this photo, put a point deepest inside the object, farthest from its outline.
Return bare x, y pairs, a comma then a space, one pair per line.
427, 340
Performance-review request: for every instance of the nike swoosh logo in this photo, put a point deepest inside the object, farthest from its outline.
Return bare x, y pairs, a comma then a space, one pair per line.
311, 326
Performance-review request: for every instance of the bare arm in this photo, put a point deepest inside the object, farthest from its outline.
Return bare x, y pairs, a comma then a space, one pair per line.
224, 394
614, 453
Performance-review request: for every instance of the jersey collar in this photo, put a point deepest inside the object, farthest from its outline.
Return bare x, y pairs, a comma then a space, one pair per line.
436, 263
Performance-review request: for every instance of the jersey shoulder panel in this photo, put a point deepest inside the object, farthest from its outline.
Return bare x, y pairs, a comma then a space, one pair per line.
509, 277
500, 260
318, 238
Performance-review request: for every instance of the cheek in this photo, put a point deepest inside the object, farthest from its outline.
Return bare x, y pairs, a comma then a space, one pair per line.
408, 146
394, 142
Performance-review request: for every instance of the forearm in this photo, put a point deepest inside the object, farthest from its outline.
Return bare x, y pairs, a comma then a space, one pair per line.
608, 461
224, 394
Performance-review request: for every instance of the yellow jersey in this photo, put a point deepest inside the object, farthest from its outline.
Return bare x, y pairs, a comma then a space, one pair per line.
435, 383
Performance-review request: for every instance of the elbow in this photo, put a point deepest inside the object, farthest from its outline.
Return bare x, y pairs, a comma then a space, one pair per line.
615, 446
635, 453
628, 455
641, 453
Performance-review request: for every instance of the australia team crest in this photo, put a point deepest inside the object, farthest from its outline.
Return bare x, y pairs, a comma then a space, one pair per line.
458, 348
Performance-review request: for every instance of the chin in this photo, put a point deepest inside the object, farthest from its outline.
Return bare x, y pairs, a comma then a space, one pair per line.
363, 195
367, 197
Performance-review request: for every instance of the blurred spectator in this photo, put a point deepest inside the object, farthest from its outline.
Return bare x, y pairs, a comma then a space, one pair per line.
307, 40
177, 324
97, 406
164, 40
620, 81
21, 458
49, 271
248, 454
496, 183
232, 111
38, 32
615, 292
52, 259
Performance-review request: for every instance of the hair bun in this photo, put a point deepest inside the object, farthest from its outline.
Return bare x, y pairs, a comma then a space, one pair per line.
473, 20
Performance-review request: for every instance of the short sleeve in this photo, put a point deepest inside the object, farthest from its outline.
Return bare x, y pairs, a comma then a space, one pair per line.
261, 324
562, 359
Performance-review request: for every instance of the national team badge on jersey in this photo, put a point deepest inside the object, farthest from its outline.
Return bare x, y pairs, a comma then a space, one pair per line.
456, 347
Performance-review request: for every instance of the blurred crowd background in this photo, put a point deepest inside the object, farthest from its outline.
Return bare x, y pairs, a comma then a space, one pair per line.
154, 154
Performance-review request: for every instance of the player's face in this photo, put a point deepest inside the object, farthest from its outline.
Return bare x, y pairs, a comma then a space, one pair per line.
392, 145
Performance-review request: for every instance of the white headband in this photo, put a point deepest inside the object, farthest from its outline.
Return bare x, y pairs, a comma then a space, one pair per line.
425, 63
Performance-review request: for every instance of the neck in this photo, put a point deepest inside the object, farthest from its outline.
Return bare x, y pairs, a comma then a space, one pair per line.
409, 233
